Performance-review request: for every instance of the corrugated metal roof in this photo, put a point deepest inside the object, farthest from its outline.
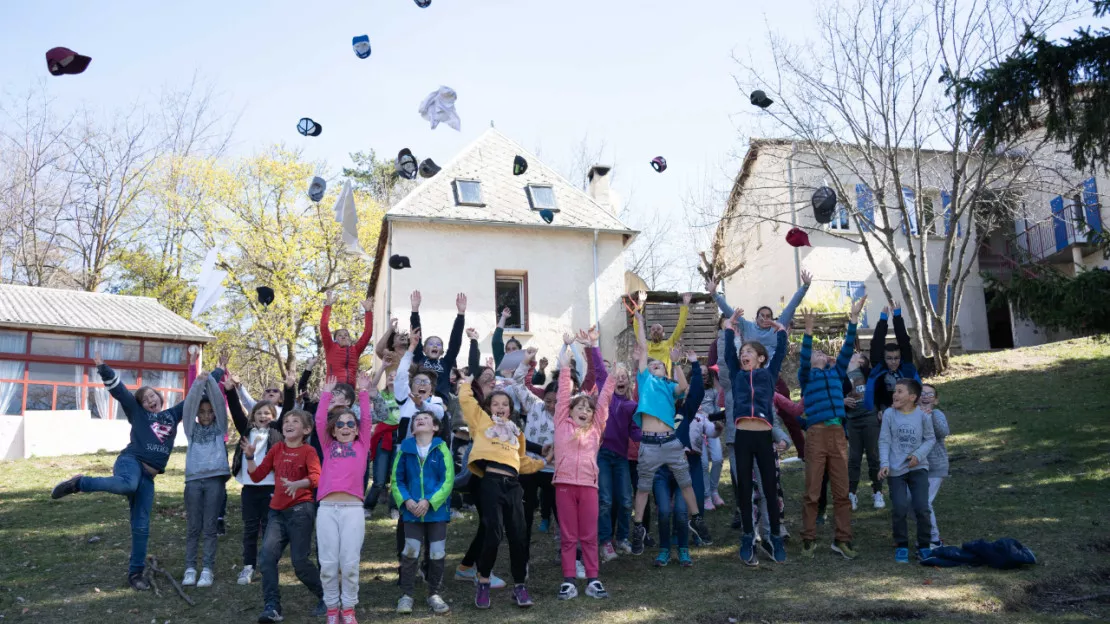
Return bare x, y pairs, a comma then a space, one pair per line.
29, 307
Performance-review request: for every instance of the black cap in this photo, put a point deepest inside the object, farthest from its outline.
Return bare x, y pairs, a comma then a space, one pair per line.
428, 168
761, 100
824, 204
423, 3
399, 262
659, 164
406, 164
307, 127
265, 295
519, 165
547, 215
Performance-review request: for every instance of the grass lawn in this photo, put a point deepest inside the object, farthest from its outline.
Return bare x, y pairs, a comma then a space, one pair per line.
1030, 455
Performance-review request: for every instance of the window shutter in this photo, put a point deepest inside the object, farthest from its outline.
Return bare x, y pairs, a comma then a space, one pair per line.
946, 203
865, 204
911, 211
1092, 211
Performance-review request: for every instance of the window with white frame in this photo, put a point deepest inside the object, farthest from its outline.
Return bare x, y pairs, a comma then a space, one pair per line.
511, 291
840, 220
468, 193
541, 196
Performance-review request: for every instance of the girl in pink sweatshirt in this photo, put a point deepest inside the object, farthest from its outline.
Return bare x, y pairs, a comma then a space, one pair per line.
579, 425
340, 524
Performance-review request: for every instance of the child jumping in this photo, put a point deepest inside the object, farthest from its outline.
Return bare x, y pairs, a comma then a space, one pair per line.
423, 477
938, 457
153, 430
341, 352
904, 444
579, 425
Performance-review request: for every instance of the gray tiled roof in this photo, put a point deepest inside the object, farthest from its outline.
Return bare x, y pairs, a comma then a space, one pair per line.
29, 307
489, 160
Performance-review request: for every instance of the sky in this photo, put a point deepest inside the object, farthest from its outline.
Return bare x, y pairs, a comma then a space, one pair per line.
645, 77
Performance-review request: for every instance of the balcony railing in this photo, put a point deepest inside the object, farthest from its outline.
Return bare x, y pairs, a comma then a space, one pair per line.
1041, 241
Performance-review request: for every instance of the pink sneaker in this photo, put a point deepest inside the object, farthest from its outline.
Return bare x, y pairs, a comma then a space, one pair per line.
348, 616
718, 501
608, 553
709, 504
333, 615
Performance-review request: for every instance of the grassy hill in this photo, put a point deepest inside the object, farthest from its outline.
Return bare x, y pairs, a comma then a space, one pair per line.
1030, 455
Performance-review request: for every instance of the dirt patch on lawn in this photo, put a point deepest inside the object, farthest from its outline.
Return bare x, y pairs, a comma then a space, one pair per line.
1086, 592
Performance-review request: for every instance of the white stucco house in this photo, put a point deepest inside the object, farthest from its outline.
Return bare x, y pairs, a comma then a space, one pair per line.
772, 193
476, 228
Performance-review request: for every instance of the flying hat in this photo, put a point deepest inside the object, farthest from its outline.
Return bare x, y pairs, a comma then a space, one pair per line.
547, 215
307, 127
428, 168
423, 3
265, 295
519, 165
797, 238
361, 44
659, 164
399, 262
761, 100
406, 164
317, 188
65, 61
824, 204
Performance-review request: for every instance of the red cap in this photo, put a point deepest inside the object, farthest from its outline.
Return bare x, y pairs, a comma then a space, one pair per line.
65, 61
797, 238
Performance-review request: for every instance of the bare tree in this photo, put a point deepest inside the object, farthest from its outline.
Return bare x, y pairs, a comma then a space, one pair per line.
864, 114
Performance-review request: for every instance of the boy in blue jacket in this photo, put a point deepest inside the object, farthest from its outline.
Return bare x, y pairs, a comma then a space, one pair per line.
423, 477
826, 444
890, 362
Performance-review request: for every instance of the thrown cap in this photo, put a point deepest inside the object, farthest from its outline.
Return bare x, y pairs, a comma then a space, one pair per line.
307, 127
399, 262
317, 188
61, 61
659, 164
406, 164
761, 100
547, 215
361, 44
428, 168
519, 165
824, 204
423, 3
797, 238
265, 295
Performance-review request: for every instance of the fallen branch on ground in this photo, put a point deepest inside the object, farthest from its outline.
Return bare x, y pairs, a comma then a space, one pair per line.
152, 565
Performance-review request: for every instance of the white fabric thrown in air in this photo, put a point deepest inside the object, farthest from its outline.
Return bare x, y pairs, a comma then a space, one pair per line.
439, 106
210, 284
347, 218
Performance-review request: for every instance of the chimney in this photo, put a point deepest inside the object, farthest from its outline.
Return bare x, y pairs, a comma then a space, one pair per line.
598, 187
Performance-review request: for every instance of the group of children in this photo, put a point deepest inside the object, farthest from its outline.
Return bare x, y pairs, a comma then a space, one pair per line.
574, 448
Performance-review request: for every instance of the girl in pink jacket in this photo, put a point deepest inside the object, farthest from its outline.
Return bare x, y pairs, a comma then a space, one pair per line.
579, 425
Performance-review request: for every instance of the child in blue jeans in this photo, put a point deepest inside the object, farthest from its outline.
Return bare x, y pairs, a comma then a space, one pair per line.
905, 440
153, 431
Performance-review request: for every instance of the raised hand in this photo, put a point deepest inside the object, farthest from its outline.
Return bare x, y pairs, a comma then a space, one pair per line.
686, 298
235, 378
778, 326
582, 338
471, 333
194, 354
594, 335
568, 338
505, 314
228, 382
97, 359
676, 354
368, 304
248, 448
691, 356
641, 296
530, 354
564, 359
886, 310
362, 383
637, 351
311, 363
224, 358
329, 384
857, 307
543, 363
414, 339
810, 319
387, 359
710, 285
460, 303
489, 361
330, 298
415, 300
807, 277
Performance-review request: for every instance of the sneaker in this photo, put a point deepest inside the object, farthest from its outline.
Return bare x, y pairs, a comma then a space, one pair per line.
844, 549
780, 549
924, 553
639, 533
697, 527
596, 590
320, 610
568, 591
221, 527
333, 615
608, 553
579, 571
747, 550
737, 521
717, 500
783, 533
663, 558
67, 487
205, 578
137, 582
470, 575
439, 605
765, 548
394, 514
521, 596
684, 559
481, 596
935, 545
623, 547
649, 541
545, 525
708, 504
269, 615
852, 498
190, 577
246, 575
347, 616
879, 502
809, 548
404, 604
902, 555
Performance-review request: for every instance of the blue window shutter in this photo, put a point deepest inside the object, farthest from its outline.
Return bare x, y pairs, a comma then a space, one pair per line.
911, 211
946, 203
1059, 224
934, 291
1092, 208
865, 203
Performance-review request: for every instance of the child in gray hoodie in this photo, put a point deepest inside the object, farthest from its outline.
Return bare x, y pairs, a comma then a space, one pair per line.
206, 471
938, 457
905, 440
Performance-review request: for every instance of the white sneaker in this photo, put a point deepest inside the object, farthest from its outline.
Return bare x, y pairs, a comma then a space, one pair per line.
438, 605
879, 502
623, 547
394, 514
205, 578
567, 591
404, 605
854, 500
596, 590
579, 570
246, 575
190, 577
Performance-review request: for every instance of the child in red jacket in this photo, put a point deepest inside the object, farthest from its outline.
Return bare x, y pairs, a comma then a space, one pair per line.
340, 353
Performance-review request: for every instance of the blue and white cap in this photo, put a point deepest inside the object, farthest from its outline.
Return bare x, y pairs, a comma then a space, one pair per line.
361, 44
317, 188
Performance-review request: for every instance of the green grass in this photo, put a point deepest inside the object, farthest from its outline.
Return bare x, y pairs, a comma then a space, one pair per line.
1030, 459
